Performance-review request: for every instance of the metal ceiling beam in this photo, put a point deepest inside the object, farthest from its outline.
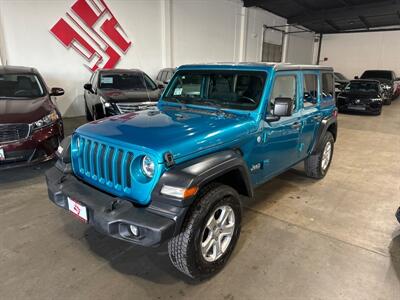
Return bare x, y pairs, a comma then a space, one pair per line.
365, 30
332, 24
380, 8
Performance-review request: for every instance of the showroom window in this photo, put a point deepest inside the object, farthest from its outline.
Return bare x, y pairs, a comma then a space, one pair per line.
327, 86
284, 87
310, 89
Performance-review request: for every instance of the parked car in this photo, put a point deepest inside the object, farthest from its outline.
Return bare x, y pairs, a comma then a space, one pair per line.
119, 91
30, 123
180, 173
364, 96
340, 82
390, 83
164, 76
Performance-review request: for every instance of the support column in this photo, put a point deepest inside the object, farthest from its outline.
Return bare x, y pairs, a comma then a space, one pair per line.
244, 15
166, 33
285, 43
3, 56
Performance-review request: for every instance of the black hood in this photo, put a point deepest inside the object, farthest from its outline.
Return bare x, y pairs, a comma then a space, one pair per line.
117, 96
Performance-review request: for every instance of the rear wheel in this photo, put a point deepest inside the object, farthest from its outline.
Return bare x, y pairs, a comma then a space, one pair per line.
317, 165
209, 234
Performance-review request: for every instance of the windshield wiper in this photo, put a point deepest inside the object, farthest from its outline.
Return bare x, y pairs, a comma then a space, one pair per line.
177, 100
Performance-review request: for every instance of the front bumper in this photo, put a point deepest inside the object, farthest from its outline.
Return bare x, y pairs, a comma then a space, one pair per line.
398, 214
113, 216
40, 146
369, 108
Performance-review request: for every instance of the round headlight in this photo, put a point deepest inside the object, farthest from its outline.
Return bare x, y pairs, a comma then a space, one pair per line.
148, 166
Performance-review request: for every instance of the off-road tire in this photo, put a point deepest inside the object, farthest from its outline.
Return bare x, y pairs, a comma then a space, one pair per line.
388, 101
184, 249
313, 164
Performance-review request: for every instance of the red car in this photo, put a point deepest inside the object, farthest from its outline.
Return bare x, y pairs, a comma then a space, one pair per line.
30, 123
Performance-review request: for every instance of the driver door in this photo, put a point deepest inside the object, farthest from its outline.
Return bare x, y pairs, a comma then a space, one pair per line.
278, 147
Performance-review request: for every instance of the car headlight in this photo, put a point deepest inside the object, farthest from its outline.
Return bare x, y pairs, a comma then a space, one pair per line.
386, 86
46, 120
148, 166
104, 102
376, 99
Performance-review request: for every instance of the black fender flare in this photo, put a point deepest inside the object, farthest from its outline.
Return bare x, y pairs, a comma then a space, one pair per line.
326, 123
201, 171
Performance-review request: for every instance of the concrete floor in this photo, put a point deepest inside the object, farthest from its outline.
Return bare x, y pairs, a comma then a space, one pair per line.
301, 239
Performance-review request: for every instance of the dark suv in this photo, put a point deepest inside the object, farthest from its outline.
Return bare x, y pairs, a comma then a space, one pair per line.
119, 91
30, 123
390, 83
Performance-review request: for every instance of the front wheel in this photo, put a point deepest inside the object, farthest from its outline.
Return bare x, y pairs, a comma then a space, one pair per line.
209, 233
317, 165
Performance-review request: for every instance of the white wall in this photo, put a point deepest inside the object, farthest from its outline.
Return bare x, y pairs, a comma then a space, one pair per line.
351, 54
300, 48
164, 33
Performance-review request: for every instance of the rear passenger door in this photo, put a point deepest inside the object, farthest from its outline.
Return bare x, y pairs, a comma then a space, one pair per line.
311, 115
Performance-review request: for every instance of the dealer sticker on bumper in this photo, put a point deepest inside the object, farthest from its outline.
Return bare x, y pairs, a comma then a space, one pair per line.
78, 210
2, 155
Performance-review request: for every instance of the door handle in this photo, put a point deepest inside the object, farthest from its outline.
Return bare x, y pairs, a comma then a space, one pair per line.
317, 118
296, 125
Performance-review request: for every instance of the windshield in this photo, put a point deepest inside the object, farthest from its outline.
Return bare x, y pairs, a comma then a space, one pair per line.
20, 86
126, 81
227, 89
340, 76
363, 87
377, 74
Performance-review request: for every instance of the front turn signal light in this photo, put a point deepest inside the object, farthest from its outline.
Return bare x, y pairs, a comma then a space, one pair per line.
179, 192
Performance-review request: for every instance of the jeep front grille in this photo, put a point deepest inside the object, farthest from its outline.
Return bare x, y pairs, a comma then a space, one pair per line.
13, 132
127, 107
104, 164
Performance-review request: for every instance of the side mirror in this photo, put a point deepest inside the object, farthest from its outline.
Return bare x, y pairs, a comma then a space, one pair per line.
283, 107
88, 87
56, 91
160, 86
356, 77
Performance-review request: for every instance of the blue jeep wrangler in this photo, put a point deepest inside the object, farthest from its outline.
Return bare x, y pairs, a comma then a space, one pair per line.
180, 173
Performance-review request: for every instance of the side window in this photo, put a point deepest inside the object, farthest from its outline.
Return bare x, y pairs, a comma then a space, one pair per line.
284, 87
91, 78
95, 80
163, 76
310, 90
158, 76
327, 85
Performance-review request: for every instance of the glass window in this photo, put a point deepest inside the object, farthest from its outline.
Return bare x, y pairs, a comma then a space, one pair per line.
163, 76
327, 85
20, 86
372, 74
126, 81
159, 76
362, 87
227, 89
310, 87
284, 87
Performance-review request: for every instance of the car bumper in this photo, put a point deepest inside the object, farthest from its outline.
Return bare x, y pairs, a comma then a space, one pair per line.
40, 146
111, 215
398, 214
362, 108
